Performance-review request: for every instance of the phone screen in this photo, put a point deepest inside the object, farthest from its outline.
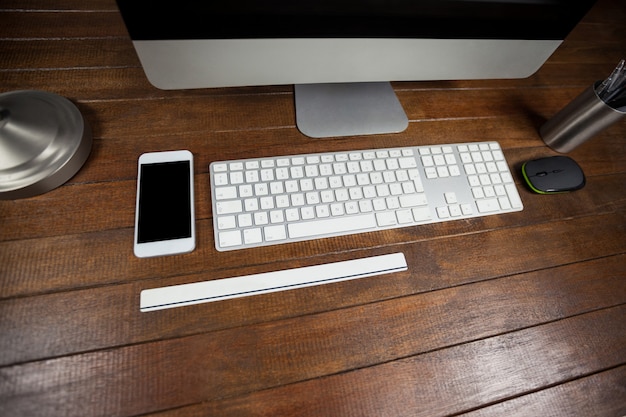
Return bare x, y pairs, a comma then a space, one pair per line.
164, 211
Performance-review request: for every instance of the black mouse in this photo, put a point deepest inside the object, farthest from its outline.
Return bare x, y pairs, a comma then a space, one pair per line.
554, 174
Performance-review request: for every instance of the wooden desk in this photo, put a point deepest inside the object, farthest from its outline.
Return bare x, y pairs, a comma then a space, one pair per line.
518, 314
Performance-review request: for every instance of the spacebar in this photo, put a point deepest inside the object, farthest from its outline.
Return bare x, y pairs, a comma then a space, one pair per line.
335, 226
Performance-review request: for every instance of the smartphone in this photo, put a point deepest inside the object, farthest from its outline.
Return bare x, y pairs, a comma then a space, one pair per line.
164, 213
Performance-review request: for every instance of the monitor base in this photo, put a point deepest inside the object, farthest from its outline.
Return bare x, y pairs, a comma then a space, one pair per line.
348, 109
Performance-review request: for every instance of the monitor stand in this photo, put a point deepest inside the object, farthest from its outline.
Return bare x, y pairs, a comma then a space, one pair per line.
348, 109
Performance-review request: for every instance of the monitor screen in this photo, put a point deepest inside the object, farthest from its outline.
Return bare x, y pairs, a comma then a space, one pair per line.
203, 44
469, 19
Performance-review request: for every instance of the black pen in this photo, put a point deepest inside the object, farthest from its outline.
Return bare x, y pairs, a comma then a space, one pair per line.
617, 100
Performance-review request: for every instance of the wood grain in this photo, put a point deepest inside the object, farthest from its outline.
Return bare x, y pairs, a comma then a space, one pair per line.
439, 382
600, 390
518, 315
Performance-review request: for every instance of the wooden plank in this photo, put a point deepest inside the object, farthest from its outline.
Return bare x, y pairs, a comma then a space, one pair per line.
305, 365
116, 199
449, 381
601, 394
20, 25
67, 54
548, 249
124, 83
607, 11
528, 299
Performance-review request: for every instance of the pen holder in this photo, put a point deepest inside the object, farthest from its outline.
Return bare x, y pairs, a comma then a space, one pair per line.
579, 121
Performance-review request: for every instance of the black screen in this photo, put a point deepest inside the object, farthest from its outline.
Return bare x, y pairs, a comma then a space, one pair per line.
445, 19
164, 202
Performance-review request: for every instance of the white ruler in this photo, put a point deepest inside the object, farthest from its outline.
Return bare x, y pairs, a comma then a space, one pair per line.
288, 279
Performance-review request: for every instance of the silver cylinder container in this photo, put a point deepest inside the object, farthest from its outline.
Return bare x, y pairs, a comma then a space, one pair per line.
579, 121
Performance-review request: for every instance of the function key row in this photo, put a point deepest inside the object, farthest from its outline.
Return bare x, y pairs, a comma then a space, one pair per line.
310, 160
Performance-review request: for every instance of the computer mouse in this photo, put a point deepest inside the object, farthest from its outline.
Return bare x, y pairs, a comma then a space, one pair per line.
554, 174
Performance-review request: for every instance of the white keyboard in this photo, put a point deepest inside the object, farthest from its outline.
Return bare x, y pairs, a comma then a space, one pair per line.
267, 201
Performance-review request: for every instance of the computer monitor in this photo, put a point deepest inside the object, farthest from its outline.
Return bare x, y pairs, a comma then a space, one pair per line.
341, 54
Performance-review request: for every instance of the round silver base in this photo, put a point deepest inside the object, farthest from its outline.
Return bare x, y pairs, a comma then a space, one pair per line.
44, 141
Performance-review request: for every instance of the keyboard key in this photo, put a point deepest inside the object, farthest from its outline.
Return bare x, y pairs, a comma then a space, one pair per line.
406, 163
225, 193
251, 236
421, 214
443, 212
229, 207
404, 216
244, 220
386, 218
228, 239
273, 233
226, 222
332, 225
455, 210
513, 196
488, 205
220, 167
413, 200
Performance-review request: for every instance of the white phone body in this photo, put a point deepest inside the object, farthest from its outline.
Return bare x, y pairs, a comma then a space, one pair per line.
164, 211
